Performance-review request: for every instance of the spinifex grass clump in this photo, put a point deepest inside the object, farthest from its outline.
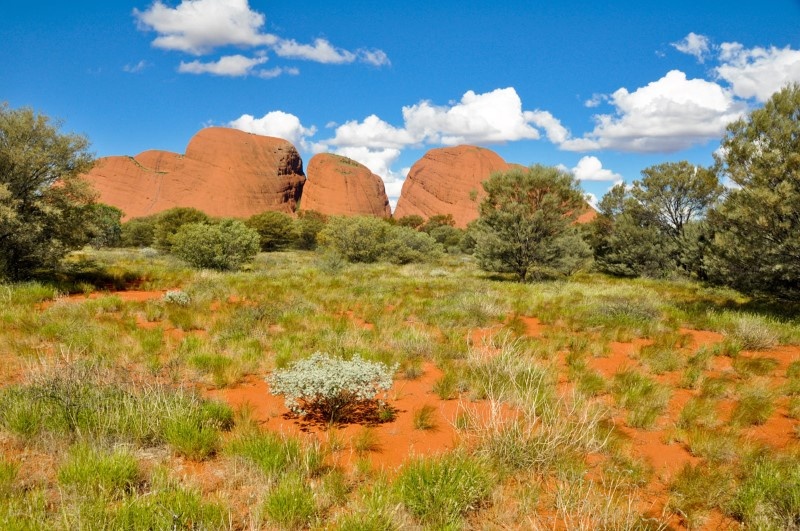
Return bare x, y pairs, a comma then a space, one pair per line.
333, 389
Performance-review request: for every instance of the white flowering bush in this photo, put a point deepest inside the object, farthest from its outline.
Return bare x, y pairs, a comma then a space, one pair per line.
334, 389
177, 297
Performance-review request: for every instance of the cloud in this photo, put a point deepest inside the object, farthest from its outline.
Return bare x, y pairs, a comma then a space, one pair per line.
667, 115
695, 45
591, 169
372, 133
277, 71
230, 65
199, 26
595, 100
278, 124
556, 133
135, 69
324, 52
492, 117
757, 72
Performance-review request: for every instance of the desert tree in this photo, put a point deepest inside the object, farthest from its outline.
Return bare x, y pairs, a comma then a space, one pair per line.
655, 227
756, 245
527, 223
45, 207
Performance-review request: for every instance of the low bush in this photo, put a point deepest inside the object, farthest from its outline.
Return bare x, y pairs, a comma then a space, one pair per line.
224, 246
275, 230
333, 389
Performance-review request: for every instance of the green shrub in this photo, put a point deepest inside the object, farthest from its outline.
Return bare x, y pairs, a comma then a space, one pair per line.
440, 491
226, 245
138, 232
331, 388
169, 222
307, 227
357, 238
404, 245
275, 230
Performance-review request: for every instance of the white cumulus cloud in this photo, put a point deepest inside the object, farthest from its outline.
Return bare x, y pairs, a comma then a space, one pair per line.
199, 26
667, 115
276, 123
372, 133
495, 116
591, 169
757, 72
695, 45
230, 65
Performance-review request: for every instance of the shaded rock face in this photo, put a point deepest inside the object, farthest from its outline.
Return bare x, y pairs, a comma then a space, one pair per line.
225, 172
448, 181
338, 185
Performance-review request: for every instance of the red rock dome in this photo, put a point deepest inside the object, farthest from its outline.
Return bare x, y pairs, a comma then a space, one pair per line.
338, 185
225, 172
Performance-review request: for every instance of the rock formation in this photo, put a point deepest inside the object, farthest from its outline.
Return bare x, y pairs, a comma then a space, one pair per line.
337, 185
448, 181
225, 172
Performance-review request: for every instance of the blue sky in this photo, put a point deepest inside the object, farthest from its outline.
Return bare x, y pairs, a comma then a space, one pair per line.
603, 89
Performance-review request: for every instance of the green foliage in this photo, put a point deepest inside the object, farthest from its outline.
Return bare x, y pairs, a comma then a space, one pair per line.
106, 227
76, 402
756, 245
273, 454
404, 245
696, 490
99, 472
275, 230
655, 228
168, 506
291, 504
769, 494
224, 246
307, 227
138, 232
357, 238
45, 208
755, 406
169, 222
644, 398
413, 221
332, 388
369, 239
526, 224
440, 491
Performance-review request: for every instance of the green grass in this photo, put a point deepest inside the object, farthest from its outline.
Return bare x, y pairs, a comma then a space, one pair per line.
88, 386
425, 418
272, 454
768, 496
754, 407
643, 397
441, 491
291, 504
696, 490
94, 471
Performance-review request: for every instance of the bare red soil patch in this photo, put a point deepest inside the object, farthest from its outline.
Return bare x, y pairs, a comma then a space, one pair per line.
397, 440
